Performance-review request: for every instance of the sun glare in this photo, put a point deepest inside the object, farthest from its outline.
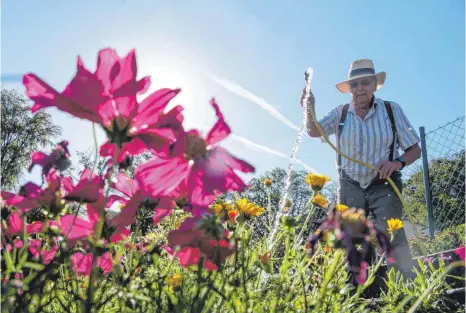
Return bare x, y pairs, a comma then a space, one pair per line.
193, 96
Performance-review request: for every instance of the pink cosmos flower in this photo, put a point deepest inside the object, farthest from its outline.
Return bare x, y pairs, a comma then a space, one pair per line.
59, 159
460, 252
47, 254
108, 97
201, 167
33, 196
135, 197
18, 243
34, 248
362, 276
86, 190
15, 225
201, 237
82, 263
75, 228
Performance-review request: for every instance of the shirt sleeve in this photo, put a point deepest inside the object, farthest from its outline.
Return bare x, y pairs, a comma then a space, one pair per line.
329, 122
407, 135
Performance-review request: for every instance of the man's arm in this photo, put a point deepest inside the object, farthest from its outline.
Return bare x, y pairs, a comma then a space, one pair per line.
411, 154
311, 125
386, 168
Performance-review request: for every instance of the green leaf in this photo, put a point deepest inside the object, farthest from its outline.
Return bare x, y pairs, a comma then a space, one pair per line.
9, 263
34, 266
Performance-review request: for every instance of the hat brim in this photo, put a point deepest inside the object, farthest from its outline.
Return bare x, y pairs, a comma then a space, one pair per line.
345, 88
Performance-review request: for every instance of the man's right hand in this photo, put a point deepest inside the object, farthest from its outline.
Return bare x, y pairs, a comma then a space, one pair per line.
311, 101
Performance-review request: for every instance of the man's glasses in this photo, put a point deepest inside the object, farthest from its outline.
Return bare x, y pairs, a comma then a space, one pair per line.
364, 82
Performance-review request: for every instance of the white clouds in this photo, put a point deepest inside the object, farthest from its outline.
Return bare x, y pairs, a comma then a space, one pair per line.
246, 94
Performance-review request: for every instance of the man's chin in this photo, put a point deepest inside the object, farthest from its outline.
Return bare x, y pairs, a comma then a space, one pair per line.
361, 99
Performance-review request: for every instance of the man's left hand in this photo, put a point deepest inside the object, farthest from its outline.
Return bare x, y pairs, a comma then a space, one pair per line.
386, 168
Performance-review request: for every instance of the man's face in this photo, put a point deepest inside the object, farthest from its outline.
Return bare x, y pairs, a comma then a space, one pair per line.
362, 89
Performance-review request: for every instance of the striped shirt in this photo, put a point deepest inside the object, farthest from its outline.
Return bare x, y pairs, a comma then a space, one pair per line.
369, 139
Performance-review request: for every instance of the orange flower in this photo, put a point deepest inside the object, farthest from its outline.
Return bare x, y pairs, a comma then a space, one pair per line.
319, 201
232, 215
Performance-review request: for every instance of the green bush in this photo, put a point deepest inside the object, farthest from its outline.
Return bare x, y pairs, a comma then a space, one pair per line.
448, 239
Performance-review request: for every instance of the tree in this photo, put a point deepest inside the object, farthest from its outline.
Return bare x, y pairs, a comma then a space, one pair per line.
299, 193
447, 180
22, 133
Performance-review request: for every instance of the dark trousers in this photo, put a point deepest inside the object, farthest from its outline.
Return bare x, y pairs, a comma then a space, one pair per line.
380, 199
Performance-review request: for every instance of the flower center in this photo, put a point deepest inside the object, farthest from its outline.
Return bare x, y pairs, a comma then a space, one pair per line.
195, 147
118, 132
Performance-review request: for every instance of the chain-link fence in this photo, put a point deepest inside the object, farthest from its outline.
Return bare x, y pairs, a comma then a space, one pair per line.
444, 165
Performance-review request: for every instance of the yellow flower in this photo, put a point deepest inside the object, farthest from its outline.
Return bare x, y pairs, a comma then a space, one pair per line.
175, 280
317, 181
341, 207
267, 182
221, 209
394, 224
286, 209
328, 249
353, 214
319, 200
248, 209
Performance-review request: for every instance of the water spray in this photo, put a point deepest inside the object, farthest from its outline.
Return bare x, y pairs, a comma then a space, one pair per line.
283, 200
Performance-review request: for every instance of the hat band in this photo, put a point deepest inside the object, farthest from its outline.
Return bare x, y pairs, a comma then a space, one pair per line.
362, 71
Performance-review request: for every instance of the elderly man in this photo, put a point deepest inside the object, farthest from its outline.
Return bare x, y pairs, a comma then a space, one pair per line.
371, 130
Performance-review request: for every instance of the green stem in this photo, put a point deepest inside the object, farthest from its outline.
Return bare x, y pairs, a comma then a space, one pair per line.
311, 213
328, 277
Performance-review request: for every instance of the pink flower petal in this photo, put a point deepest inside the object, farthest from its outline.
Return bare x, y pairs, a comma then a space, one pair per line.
49, 255
164, 208
81, 263
35, 227
38, 158
115, 198
15, 224
18, 243
231, 161
152, 107
220, 130
161, 176
106, 59
131, 148
88, 189
75, 228
125, 185
189, 256
107, 149
120, 234
22, 203
34, 248
128, 214
85, 93
460, 252
209, 266
105, 262
32, 190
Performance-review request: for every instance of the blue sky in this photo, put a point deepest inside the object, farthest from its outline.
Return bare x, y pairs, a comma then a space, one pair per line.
247, 54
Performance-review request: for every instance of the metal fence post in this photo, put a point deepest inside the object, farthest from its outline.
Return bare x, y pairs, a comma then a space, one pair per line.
427, 191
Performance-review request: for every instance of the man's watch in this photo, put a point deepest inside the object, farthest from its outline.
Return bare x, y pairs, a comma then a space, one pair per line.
402, 161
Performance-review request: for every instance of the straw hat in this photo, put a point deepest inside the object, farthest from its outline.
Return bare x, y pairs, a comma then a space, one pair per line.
358, 69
